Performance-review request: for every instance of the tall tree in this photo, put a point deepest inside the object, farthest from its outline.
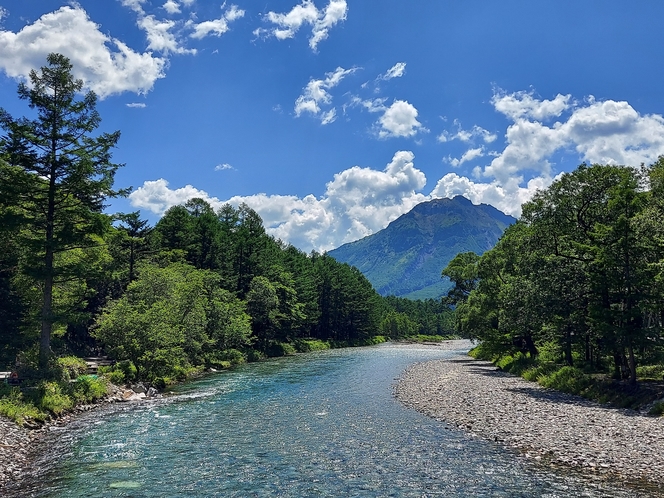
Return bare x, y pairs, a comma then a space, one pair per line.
58, 174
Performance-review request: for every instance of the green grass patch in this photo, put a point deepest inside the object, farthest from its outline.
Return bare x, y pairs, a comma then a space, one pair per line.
308, 345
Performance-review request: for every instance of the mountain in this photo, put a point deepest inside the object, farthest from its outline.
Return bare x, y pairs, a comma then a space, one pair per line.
406, 258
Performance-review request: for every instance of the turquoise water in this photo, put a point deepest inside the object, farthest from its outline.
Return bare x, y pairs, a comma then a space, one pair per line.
322, 424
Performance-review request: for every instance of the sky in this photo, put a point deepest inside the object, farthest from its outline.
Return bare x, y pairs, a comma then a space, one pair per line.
332, 118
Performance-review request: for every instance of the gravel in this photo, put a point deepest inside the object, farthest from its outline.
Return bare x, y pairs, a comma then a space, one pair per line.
550, 427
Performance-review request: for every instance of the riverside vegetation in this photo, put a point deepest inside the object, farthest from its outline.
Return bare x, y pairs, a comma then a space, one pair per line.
572, 296
202, 289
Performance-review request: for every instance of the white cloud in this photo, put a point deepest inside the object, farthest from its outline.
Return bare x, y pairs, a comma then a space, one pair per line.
3, 13
172, 7
357, 202
219, 26
136, 105
467, 135
607, 132
525, 105
399, 120
316, 94
160, 37
507, 200
223, 167
306, 13
469, 155
396, 71
135, 5
106, 65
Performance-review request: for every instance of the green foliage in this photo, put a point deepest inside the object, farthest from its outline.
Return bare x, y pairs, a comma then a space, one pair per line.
52, 398
277, 349
308, 345
56, 176
578, 278
657, 409
567, 379
650, 372
14, 407
71, 366
88, 388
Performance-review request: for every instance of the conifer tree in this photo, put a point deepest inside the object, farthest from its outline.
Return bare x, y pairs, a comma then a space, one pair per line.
56, 176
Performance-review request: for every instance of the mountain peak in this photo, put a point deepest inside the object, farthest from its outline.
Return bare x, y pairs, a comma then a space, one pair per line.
406, 258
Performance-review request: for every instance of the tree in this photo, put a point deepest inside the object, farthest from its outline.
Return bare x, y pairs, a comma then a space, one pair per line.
58, 176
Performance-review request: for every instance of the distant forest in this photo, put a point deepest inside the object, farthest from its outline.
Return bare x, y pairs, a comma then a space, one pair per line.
200, 289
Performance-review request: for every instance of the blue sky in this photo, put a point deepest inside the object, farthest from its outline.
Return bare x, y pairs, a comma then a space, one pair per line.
333, 117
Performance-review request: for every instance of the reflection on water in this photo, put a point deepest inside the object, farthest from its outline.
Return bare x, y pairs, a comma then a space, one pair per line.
321, 424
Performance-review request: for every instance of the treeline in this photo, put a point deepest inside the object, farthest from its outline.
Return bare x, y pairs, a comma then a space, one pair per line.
200, 289
578, 280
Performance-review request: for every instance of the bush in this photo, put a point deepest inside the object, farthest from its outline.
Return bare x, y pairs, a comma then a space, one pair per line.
128, 369
276, 349
89, 388
516, 364
15, 408
657, 409
116, 377
53, 399
71, 367
535, 373
308, 345
650, 372
567, 379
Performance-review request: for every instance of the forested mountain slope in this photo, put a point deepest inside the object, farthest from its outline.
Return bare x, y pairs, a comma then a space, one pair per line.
406, 258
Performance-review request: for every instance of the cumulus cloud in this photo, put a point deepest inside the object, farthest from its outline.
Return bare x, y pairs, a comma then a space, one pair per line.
106, 65
3, 13
356, 203
316, 94
472, 135
223, 167
399, 120
506, 199
608, 132
172, 7
289, 23
396, 71
219, 26
159, 35
469, 155
136, 105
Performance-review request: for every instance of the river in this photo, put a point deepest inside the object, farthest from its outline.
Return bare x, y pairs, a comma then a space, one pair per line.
321, 424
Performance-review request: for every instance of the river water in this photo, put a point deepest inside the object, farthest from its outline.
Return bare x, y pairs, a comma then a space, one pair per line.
321, 424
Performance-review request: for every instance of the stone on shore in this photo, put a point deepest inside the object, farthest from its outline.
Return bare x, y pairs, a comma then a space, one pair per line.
548, 426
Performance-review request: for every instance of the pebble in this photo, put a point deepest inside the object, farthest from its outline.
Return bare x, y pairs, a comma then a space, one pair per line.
549, 426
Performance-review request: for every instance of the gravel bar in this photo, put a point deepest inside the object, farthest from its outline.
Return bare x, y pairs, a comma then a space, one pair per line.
550, 427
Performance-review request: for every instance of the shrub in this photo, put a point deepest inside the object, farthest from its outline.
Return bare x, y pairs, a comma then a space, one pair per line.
567, 379
307, 345
71, 367
657, 409
234, 356
128, 369
276, 349
116, 377
650, 372
89, 388
53, 399
15, 408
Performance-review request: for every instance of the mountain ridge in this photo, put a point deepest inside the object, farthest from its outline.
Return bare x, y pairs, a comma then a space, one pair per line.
406, 257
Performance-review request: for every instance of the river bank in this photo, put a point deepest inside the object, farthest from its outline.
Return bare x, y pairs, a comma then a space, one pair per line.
550, 427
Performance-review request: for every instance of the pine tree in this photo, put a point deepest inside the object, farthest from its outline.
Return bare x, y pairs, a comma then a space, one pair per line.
57, 176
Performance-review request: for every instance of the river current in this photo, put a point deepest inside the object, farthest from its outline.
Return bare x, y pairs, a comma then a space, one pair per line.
321, 425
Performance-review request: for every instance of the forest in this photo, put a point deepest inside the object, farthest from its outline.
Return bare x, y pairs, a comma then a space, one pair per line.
573, 292
200, 289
